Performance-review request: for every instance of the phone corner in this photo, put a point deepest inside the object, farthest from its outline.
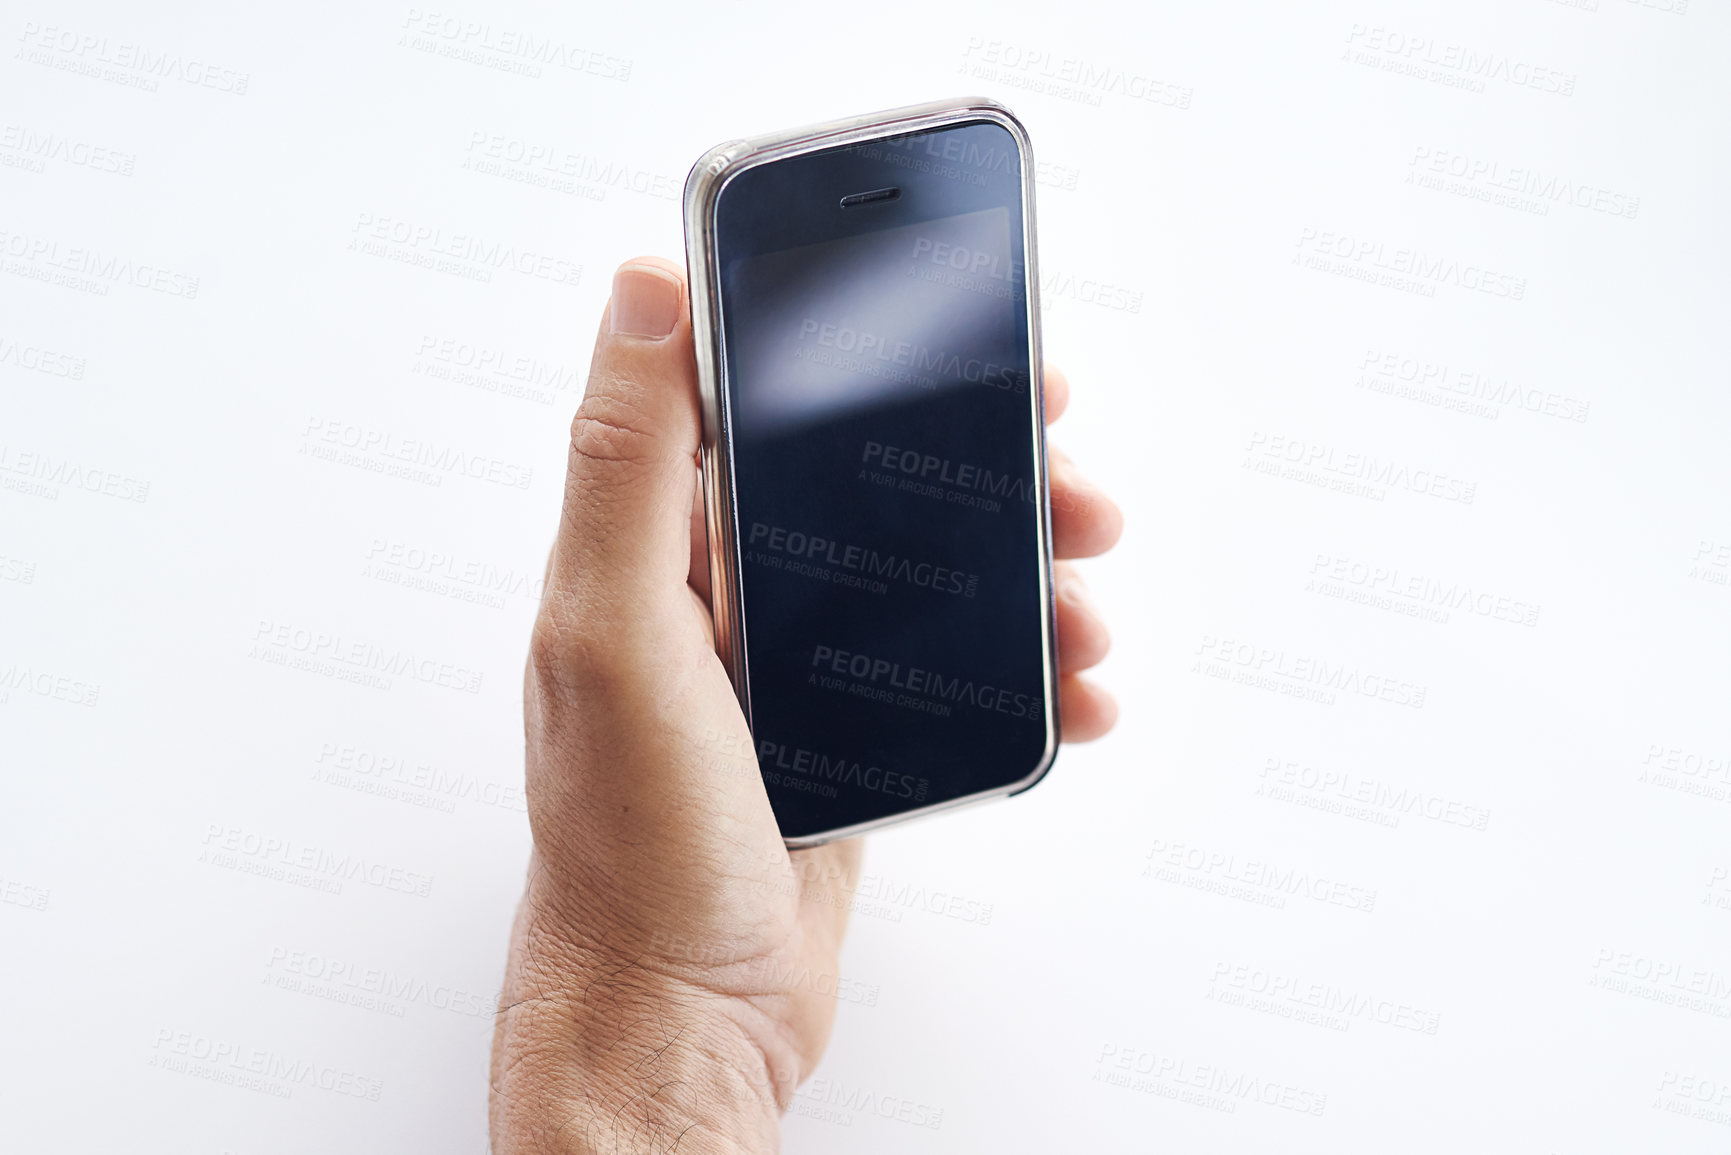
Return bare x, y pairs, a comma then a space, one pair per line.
713, 164
999, 111
702, 187
1048, 759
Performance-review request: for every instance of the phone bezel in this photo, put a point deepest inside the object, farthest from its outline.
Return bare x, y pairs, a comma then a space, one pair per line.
703, 188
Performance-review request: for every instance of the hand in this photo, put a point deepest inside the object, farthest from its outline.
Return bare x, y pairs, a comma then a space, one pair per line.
673, 968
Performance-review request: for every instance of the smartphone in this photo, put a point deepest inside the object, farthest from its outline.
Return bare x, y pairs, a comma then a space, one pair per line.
863, 298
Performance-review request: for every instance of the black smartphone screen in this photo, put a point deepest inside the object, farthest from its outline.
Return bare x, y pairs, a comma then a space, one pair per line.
885, 441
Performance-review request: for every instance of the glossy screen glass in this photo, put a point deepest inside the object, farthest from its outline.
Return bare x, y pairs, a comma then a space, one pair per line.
885, 440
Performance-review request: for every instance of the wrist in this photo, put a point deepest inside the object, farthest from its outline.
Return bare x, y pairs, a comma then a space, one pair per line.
596, 1054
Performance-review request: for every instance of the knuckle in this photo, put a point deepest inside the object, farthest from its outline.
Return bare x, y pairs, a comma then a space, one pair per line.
550, 651
610, 429
575, 651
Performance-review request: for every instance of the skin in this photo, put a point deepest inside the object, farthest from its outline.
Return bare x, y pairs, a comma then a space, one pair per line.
672, 971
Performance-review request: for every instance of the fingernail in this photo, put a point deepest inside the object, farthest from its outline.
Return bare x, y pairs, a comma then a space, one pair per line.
1073, 591
645, 302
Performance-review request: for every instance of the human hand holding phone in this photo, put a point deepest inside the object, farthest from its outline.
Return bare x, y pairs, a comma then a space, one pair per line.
672, 975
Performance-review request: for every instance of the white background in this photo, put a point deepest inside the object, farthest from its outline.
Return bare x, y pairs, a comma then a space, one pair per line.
1431, 250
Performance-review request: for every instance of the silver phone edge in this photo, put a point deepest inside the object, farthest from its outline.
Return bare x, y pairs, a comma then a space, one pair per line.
702, 188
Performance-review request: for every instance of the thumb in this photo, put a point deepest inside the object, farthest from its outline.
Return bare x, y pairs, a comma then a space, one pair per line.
624, 548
